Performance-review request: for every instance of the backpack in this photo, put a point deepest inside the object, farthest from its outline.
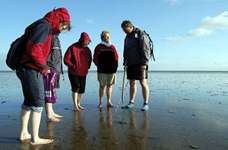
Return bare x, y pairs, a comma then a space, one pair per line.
17, 47
151, 44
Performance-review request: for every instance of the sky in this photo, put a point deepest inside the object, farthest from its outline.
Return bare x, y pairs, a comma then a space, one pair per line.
188, 35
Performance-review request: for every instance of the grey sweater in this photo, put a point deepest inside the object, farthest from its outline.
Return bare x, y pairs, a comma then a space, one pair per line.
54, 60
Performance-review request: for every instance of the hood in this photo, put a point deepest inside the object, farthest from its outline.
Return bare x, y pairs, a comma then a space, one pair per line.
55, 17
84, 37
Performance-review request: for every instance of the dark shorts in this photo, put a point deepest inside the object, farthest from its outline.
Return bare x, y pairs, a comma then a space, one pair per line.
134, 73
32, 86
77, 83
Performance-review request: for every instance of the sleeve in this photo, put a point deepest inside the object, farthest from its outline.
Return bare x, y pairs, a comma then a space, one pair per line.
68, 57
90, 58
95, 55
38, 45
124, 52
51, 56
116, 55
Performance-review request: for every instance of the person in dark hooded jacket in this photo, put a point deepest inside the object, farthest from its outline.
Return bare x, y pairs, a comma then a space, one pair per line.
33, 67
78, 58
136, 60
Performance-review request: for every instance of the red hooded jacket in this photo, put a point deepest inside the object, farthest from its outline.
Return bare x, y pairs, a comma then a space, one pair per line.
39, 42
78, 58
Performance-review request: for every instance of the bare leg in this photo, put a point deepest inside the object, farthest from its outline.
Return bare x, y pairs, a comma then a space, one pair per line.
101, 95
145, 90
79, 101
50, 113
48, 107
133, 90
75, 99
53, 113
24, 125
109, 95
35, 124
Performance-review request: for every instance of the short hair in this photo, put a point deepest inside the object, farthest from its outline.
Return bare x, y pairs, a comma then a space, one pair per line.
126, 23
104, 32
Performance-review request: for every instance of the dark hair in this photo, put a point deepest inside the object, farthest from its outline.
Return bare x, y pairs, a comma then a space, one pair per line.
126, 23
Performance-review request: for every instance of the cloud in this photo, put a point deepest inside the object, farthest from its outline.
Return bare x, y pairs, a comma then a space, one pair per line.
175, 38
89, 21
210, 24
173, 2
207, 26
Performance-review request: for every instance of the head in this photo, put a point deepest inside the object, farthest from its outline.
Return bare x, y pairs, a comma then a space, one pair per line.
59, 19
105, 36
84, 39
127, 26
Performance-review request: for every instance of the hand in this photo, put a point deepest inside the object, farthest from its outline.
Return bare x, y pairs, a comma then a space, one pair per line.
45, 71
143, 67
48, 71
125, 68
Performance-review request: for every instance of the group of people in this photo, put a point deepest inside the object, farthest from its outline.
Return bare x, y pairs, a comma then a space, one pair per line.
42, 60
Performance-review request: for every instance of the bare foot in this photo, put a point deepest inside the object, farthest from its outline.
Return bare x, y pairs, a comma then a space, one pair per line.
42, 141
110, 105
76, 109
57, 116
53, 119
24, 137
80, 107
99, 106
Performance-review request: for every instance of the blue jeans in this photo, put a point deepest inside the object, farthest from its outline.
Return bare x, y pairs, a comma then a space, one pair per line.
33, 88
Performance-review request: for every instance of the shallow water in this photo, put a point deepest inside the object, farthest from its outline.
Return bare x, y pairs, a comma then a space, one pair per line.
188, 110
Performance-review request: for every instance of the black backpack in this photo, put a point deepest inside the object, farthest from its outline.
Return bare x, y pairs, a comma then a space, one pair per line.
17, 47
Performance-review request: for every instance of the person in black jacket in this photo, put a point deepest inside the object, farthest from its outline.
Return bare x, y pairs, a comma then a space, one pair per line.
106, 59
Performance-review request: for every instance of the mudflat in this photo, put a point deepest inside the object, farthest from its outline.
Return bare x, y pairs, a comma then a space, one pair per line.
188, 110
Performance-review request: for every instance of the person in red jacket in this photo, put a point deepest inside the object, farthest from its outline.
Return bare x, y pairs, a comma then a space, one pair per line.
33, 67
78, 59
106, 59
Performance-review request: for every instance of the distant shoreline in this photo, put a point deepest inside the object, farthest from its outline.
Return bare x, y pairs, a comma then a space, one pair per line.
155, 71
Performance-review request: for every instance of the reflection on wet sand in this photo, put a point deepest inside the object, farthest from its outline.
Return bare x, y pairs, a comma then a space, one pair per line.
107, 137
51, 130
79, 138
137, 135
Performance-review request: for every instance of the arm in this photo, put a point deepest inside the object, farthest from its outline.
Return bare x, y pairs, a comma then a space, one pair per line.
68, 57
95, 55
38, 47
116, 55
90, 58
124, 56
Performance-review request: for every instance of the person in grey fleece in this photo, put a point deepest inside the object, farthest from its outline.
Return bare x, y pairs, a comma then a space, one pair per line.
136, 58
54, 63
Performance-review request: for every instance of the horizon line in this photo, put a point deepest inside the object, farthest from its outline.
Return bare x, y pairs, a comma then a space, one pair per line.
148, 71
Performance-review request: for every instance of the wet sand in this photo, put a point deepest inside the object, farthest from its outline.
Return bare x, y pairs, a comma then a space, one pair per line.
187, 111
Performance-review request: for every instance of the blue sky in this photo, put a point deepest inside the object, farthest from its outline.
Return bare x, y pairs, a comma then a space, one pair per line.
187, 34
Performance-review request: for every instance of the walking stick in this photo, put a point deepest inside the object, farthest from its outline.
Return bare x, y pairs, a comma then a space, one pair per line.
122, 95
123, 88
